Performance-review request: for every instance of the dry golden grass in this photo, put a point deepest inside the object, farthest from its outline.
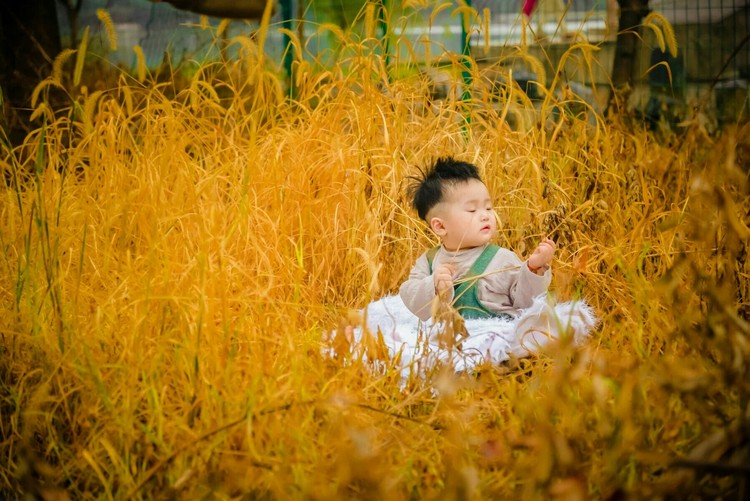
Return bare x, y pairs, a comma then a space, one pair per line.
171, 264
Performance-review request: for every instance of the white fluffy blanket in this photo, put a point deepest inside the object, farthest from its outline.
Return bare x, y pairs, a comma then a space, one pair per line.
417, 346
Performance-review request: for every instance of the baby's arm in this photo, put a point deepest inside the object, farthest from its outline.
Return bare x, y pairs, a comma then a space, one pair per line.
420, 289
512, 286
534, 280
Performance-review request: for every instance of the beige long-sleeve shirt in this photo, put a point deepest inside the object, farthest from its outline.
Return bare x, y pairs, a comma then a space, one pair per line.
503, 292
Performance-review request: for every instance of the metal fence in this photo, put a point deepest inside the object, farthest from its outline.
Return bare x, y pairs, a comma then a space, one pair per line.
708, 32
712, 36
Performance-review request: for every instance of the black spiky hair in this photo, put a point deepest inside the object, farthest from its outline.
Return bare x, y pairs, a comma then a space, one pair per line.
428, 189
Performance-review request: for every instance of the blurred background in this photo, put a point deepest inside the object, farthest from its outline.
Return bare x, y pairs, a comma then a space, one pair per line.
708, 70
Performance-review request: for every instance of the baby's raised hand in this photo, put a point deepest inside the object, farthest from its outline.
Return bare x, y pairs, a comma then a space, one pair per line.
443, 277
542, 255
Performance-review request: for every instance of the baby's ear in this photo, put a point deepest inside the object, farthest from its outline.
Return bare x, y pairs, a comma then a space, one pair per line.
437, 226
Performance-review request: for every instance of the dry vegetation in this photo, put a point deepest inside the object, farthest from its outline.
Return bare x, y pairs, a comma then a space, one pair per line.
172, 259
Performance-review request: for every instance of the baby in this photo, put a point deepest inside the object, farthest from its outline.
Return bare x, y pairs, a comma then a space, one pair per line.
502, 299
479, 279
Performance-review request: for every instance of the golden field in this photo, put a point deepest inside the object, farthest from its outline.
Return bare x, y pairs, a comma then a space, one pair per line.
175, 255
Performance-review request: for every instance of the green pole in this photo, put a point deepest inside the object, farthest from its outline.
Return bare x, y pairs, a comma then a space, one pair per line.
384, 33
286, 22
466, 61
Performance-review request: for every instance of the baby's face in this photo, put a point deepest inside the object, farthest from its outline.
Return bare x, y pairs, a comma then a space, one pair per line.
467, 216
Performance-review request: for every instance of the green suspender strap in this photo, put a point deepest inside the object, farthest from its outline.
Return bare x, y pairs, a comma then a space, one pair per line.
465, 293
431, 256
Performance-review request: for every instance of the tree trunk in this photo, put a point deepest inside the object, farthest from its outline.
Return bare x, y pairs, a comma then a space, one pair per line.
29, 42
632, 13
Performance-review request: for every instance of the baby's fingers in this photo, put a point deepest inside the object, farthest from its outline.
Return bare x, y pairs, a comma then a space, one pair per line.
546, 246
